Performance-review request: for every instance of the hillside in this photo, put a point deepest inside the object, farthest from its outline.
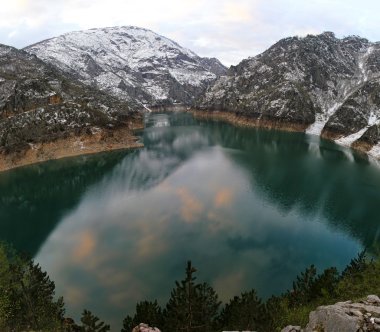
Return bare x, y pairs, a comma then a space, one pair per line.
131, 63
320, 84
41, 105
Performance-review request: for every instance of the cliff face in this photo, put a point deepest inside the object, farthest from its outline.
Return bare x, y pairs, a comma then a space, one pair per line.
39, 104
131, 63
329, 86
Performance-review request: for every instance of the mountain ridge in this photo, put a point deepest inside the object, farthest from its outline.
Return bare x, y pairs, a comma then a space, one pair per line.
318, 84
326, 85
43, 109
131, 63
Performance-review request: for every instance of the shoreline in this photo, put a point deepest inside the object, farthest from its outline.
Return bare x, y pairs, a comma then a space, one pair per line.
242, 121
105, 140
87, 144
247, 122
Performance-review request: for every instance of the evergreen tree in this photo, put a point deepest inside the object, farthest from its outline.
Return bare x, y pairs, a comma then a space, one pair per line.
91, 323
69, 325
39, 291
128, 324
192, 306
325, 284
310, 286
302, 287
146, 312
243, 313
356, 265
6, 304
29, 302
209, 306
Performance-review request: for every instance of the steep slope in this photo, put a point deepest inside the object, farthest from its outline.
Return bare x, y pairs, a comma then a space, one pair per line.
40, 105
131, 63
324, 85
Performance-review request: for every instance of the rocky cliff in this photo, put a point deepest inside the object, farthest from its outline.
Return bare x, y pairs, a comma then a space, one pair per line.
41, 104
325, 85
131, 63
343, 317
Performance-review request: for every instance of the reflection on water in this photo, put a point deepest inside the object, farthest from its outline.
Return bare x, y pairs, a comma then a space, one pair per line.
250, 207
34, 199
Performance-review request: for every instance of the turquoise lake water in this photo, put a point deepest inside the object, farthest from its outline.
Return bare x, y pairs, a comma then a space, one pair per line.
251, 208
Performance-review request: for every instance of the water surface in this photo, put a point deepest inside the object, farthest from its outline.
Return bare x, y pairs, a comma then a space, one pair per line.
250, 207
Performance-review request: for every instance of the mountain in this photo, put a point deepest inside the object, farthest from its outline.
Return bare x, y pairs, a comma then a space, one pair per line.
131, 63
321, 84
40, 104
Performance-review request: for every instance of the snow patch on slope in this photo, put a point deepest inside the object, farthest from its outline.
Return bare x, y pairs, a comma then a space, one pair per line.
348, 140
321, 120
128, 62
346, 90
375, 151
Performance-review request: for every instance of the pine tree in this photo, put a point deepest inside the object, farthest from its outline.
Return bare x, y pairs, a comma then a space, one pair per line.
325, 284
209, 306
128, 324
6, 305
91, 323
146, 312
192, 306
303, 287
356, 265
29, 303
243, 313
39, 291
69, 325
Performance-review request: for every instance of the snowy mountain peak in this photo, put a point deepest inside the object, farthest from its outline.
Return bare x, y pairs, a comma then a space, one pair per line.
131, 63
325, 85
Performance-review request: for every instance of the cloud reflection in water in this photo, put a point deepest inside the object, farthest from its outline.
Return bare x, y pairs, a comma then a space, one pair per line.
225, 197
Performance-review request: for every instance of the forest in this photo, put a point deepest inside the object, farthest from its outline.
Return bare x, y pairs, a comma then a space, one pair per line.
28, 301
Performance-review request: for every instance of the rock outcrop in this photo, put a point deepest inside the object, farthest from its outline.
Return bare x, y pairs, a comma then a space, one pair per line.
131, 63
325, 85
344, 317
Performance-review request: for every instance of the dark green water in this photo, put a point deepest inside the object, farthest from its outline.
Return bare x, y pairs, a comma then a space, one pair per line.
251, 208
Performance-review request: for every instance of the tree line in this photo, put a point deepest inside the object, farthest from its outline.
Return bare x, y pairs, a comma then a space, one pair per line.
28, 301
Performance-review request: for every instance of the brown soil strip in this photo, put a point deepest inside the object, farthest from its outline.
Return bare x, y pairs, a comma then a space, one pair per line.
285, 126
243, 121
99, 141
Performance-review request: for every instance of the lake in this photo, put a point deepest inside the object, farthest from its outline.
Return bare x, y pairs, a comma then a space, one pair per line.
251, 208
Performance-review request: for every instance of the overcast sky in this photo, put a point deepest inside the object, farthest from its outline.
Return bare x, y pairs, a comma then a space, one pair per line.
227, 29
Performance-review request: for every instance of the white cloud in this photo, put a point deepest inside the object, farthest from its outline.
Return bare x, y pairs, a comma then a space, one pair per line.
227, 29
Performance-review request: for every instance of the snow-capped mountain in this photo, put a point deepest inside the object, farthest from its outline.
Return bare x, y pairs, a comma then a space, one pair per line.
131, 63
325, 85
39, 103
